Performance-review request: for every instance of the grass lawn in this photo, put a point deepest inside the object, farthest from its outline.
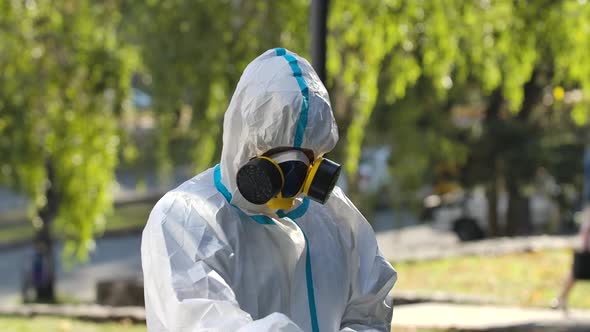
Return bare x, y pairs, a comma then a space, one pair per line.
53, 324
124, 217
527, 279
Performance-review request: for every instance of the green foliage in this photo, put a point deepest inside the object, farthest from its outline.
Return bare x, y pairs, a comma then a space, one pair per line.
195, 52
65, 77
423, 57
361, 35
395, 69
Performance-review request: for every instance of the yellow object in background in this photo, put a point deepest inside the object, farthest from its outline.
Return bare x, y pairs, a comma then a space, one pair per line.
558, 93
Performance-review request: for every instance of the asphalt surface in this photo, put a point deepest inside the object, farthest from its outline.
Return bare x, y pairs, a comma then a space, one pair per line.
117, 257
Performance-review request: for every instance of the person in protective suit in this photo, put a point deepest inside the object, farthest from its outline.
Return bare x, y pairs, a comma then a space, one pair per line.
265, 241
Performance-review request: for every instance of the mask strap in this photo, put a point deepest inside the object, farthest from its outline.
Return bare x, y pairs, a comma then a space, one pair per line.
280, 203
290, 156
277, 167
311, 175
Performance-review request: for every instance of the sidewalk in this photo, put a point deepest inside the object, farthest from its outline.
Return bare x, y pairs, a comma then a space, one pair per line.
418, 243
444, 317
463, 317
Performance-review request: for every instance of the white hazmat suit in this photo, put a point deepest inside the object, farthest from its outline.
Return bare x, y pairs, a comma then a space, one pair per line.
212, 261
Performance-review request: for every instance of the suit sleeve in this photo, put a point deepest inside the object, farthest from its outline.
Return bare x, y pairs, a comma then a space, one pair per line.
369, 307
186, 269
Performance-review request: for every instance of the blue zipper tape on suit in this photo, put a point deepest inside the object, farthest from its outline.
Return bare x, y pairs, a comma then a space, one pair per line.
299, 211
297, 73
309, 281
310, 292
264, 220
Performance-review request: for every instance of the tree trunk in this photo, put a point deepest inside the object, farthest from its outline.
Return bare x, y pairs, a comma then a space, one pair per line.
492, 197
318, 28
491, 123
43, 269
518, 221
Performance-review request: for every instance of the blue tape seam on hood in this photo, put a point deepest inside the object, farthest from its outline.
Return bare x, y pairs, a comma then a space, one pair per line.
219, 185
299, 211
298, 74
301, 124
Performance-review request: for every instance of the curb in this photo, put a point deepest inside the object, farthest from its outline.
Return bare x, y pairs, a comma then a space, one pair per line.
489, 248
95, 313
101, 313
408, 297
452, 317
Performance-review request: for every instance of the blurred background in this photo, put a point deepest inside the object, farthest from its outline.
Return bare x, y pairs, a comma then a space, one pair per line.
463, 129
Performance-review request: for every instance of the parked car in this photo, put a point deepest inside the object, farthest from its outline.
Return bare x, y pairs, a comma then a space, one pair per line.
466, 212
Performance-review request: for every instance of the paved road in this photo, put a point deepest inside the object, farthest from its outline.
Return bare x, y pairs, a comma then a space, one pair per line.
120, 257
13, 205
117, 257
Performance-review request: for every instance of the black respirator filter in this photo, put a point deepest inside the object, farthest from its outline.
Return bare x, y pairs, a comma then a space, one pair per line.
259, 180
321, 180
262, 179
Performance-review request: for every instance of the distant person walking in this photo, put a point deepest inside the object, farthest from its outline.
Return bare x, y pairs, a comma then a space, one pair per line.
581, 264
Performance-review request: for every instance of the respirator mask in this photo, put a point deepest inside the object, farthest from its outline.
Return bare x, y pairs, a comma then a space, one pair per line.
276, 180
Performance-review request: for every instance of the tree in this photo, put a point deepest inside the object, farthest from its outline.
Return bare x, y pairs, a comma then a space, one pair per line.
194, 53
416, 62
65, 76
506, 53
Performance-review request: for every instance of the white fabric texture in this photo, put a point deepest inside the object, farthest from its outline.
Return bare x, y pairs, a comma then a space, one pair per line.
214, 262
